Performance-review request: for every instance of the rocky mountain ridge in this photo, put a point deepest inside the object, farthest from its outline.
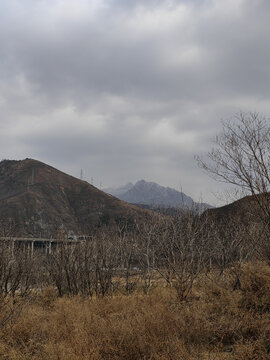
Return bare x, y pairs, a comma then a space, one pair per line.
154, 195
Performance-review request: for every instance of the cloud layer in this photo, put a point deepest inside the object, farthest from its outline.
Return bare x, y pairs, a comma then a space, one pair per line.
129, 89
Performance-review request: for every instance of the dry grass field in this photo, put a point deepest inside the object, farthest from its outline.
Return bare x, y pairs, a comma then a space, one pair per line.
215, 322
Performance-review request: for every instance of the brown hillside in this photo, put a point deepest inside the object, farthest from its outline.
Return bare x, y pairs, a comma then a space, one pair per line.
245, 211
40, 200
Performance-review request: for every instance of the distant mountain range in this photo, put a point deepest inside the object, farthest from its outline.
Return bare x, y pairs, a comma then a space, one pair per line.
153, 195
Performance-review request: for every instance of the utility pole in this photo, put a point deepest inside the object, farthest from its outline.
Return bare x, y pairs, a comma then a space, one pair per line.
81, 175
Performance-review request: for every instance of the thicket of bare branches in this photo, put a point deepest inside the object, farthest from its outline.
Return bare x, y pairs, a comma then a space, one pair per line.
176, 249
85, 267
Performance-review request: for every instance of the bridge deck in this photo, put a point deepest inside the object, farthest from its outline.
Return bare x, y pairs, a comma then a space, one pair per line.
42, 240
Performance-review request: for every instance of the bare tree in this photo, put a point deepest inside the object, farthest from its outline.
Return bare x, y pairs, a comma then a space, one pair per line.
128, 255
241, 157
16, 270
106, 262
147, 242
182, 252
16, 281
85, 267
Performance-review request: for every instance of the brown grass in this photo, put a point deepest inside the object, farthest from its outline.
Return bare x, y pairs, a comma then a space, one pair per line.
215, 323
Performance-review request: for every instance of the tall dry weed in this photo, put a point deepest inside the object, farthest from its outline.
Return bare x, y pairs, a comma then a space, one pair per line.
216, 323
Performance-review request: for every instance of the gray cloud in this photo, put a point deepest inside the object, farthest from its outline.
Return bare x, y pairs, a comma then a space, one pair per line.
129, 89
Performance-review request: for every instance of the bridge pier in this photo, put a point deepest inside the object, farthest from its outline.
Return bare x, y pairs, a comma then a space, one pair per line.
32, 248
11, 247
48, 248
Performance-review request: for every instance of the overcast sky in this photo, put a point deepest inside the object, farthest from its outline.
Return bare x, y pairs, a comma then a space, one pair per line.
129, 89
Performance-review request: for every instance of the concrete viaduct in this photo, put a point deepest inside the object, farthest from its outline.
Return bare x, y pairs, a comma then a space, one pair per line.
30, 243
